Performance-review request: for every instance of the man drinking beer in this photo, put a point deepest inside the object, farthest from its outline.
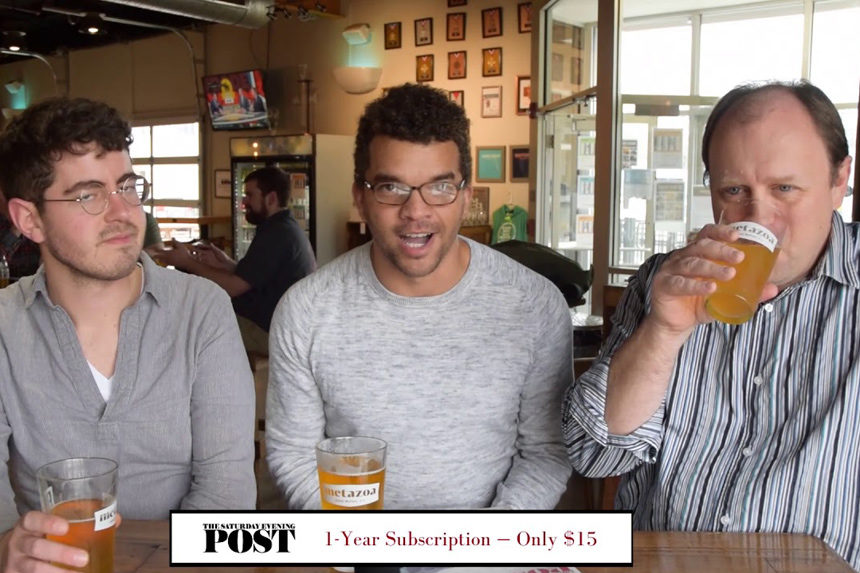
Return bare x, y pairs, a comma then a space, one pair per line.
449, 351
102, 352
749, 427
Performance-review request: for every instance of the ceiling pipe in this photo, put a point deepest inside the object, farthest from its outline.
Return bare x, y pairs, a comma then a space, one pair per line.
252, 14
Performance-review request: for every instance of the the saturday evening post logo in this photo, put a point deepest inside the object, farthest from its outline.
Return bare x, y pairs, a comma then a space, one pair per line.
466, 537
235, 537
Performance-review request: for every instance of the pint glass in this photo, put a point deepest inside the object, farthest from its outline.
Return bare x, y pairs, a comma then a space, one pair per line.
735, 300
351, 472
83, 491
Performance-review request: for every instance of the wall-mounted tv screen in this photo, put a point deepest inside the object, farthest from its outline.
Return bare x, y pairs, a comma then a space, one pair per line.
236, 100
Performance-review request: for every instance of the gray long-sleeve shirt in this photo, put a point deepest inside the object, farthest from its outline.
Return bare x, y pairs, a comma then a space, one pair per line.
180, 417
465, 387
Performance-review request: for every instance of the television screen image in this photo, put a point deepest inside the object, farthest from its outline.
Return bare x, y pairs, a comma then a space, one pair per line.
236, 100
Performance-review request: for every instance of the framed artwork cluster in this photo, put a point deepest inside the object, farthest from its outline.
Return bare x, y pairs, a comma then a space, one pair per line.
490, 163
492, 26
455, 25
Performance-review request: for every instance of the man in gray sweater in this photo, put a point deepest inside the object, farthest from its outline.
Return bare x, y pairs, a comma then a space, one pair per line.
102, 352
454, 354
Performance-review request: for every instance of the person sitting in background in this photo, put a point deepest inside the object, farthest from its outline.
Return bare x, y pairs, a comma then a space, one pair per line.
152, 243
453, 353
103, 353
751, 427
22, 254
279, 255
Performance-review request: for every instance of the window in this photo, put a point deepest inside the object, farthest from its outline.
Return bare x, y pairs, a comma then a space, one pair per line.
659, 197
168, 156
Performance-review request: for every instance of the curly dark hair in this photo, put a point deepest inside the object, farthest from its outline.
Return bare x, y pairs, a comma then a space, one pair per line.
417, 114
744, 100
272, 180
36, 140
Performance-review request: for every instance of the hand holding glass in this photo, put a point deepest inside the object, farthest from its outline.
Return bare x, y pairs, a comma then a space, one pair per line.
83, 491
735, 301
351, 472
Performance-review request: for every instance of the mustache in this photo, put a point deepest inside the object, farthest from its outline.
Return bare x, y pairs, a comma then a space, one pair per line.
118, 229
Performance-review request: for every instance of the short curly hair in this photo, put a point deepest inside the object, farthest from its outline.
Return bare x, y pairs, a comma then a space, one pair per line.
35, 141
417, 114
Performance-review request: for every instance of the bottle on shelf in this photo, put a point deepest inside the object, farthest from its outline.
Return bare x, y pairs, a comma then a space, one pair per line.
4, 271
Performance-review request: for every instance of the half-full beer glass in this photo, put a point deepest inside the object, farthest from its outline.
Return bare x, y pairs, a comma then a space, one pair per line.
83, 491
736, 300
351, 472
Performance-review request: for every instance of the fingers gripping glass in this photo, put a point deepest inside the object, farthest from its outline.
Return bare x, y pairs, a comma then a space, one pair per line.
433, 193
94, 199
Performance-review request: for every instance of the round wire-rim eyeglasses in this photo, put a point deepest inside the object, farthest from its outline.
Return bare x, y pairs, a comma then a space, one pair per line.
94, 198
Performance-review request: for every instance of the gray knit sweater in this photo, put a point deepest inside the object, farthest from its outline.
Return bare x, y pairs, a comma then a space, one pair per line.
465, 387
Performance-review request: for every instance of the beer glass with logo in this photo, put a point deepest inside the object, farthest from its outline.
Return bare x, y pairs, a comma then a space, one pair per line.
83, 491
351, 472
735, 301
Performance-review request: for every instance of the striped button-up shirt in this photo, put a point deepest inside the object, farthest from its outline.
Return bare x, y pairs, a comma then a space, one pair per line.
760, 426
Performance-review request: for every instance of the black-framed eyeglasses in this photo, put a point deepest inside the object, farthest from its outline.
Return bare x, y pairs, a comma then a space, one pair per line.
433, 193
94, 199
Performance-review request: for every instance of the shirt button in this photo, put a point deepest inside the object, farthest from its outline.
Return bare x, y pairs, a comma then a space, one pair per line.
757, 380
725, 520
768, 307
747, 452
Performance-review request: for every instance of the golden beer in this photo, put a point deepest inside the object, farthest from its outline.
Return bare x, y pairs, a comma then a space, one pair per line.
351, 472
735, 300
100, 544
363, 491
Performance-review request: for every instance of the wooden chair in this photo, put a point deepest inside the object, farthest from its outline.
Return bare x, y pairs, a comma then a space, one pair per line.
603, 490
260, 369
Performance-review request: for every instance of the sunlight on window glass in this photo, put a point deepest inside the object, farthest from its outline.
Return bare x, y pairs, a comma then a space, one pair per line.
175, 182
656, 61
849, 120
835, 53
140, 147
144, 170
740, 51
177, 140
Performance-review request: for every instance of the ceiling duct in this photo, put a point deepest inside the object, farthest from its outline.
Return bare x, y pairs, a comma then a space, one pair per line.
249, 14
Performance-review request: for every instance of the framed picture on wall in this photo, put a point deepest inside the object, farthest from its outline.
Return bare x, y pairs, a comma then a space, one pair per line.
455, 28
490, 164
491, 101
456, 96
424, 32
524, 17
453, 3
456, 65
491, 22
519, 163
491, 62
424, 68
222, 183
392, 35
524, 94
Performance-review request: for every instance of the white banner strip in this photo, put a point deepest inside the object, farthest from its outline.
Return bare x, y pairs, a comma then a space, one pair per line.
401, 538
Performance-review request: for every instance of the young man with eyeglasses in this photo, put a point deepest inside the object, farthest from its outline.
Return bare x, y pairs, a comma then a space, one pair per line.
102, 352
451, 352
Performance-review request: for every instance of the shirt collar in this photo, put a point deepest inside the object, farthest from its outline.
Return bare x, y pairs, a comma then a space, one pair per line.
840, 258
156, 286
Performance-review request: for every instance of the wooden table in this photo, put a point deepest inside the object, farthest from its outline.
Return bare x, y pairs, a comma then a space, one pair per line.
680, 552
142, 546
